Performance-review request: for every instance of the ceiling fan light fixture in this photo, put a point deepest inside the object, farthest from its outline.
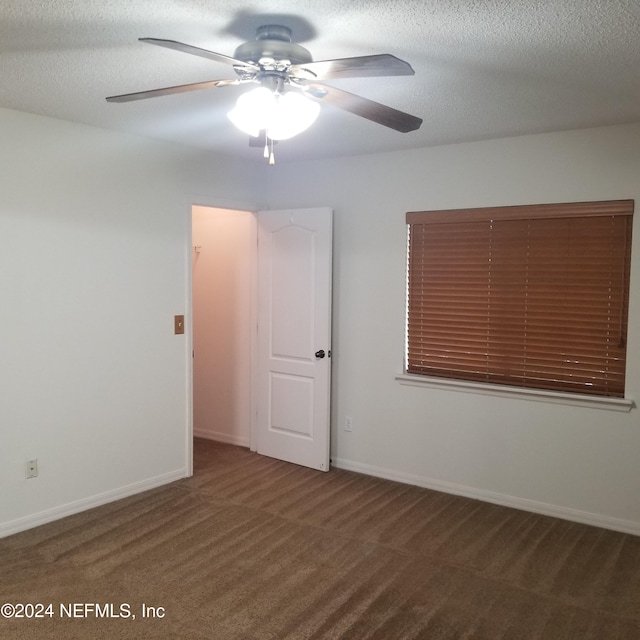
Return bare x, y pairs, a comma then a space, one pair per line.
282, 116
291, 85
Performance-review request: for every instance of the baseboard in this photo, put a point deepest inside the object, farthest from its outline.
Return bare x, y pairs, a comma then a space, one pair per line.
218, 436
36, 519
565, 513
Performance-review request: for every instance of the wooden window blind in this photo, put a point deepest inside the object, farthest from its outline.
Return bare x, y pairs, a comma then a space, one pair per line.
532, 296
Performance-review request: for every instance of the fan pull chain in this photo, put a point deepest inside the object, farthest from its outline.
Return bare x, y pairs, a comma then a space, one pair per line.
268, 148
272, 158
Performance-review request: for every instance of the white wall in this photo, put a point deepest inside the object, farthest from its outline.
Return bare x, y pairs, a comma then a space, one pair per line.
94, 257
94, 260
223, 317
574, 462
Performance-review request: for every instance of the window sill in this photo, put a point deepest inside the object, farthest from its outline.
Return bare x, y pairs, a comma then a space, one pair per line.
537, 395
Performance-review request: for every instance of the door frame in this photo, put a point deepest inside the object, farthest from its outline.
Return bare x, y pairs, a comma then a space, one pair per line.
215, 203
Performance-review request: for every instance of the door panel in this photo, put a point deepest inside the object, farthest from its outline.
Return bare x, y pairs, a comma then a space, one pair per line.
294, 322
291, 398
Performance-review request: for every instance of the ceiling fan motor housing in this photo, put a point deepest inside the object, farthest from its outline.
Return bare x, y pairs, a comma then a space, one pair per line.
272, 45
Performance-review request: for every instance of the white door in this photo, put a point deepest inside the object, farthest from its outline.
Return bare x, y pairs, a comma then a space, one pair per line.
294, 335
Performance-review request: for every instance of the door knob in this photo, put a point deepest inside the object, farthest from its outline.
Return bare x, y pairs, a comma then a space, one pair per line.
320, 354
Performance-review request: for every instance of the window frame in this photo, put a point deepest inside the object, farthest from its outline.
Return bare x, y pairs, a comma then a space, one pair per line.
516, 213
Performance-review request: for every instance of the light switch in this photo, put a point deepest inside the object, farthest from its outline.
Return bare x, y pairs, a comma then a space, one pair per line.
178, 324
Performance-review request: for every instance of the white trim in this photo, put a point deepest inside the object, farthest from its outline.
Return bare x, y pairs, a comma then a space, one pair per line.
524, 504
37, 519
253, 425
218, 436
537, 395
188, 434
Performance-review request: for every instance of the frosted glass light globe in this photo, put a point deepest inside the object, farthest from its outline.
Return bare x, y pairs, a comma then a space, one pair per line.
282, 116
253, 111
293, 114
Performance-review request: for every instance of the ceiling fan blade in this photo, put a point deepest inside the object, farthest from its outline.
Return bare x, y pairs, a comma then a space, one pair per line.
197, 51
383, 64
167, 91
374, 111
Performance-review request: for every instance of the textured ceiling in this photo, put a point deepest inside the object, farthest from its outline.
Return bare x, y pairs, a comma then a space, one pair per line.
484, 68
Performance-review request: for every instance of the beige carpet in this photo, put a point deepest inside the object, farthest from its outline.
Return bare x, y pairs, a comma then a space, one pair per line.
252, 548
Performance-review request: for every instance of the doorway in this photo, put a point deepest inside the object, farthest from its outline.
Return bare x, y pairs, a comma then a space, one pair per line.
264, 388
223, 316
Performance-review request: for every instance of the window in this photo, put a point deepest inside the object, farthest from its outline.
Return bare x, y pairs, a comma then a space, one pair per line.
530, 296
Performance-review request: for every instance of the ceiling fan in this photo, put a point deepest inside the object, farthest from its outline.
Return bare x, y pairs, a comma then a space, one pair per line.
291, 85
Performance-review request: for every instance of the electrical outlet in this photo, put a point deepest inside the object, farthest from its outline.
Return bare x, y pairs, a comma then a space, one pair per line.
348, 424
31, 468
